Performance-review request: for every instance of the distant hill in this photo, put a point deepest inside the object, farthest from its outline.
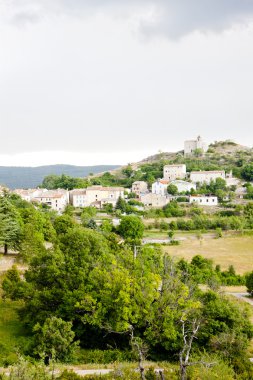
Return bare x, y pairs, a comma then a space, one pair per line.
28, 177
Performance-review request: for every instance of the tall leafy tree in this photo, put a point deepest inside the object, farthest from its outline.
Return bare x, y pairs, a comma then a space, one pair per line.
10, 225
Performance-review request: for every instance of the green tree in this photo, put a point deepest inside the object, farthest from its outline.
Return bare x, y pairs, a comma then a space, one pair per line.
172, 189
121, 205
249, 283
10, 225
131, 228
63, 223
54, 339
32, 242
247, 172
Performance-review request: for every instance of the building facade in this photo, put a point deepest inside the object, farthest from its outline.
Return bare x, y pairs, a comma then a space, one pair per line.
190, 146
207, 176
173, 172
183, 186
78, 198
139, 187
56, 199
204, 200
154, 200
160, 187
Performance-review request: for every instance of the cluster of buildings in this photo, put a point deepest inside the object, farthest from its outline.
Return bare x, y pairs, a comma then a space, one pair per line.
186, 183
95, 196
157, 196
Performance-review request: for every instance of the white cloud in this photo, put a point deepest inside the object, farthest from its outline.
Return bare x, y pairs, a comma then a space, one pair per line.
77, 76
172, 18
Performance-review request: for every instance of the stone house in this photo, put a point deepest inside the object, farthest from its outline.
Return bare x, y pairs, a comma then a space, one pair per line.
139, 187
56, 199
173, 172
190, 146
154, 200
206, 176
28, 194
100, 195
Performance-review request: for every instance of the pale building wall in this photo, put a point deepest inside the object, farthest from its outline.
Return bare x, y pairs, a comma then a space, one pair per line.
204, 200
207, 176
104, 194
27, 194
184, 186
139, 187
160, 187
172, 172
56, 199
191, 145
154, 200
78, 198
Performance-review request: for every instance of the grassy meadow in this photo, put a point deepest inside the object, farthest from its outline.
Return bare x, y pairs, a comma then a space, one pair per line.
228, 250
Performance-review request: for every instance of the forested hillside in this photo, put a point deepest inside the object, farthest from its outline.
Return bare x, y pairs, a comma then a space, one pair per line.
30, 177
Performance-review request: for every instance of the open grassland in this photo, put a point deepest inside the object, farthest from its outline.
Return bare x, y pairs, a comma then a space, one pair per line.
13, 337
229, 250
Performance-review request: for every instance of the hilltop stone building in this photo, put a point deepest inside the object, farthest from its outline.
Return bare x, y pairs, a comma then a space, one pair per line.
190, 146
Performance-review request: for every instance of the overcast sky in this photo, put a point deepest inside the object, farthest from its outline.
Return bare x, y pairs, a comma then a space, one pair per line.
112, 81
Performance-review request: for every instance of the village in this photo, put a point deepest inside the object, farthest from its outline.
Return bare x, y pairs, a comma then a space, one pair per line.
155, 196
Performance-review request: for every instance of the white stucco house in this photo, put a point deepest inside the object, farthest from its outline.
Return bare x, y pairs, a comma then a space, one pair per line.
183, 186
56, 199
28, 194
175, 171
204, 200
78, 198
96, 196
160, 187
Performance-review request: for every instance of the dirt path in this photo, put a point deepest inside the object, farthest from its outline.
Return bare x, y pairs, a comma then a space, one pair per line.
242, 296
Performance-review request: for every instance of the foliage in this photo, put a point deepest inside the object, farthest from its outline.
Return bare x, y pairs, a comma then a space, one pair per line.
10, 225
54, 339
249, 283
131, 228
172, 189
247, 172
23, 370
64, 181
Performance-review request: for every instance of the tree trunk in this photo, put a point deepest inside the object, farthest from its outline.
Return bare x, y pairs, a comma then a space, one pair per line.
183, 372
5, 249
142, 373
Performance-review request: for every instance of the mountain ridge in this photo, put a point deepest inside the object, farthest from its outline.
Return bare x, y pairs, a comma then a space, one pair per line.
29, 177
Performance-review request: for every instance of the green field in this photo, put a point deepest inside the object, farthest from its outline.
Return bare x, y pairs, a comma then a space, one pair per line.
13, 337
229, 250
